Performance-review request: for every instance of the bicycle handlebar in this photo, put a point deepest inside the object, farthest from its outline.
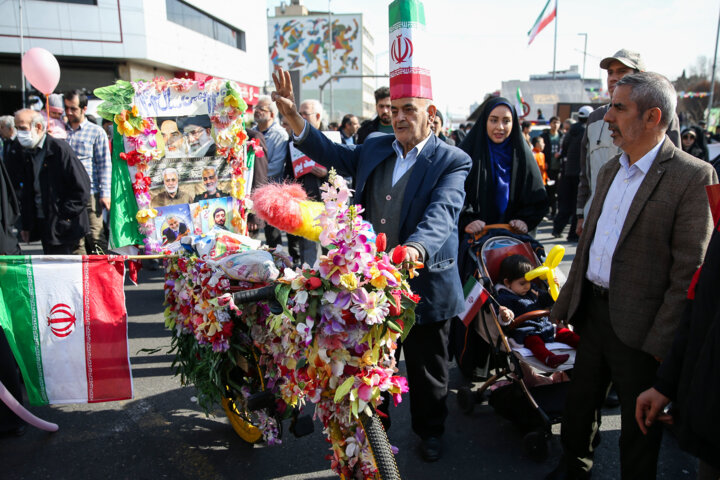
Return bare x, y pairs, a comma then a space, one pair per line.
255, 295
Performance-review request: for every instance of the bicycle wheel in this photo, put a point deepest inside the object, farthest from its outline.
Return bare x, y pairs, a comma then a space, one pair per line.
380, 447
240, 423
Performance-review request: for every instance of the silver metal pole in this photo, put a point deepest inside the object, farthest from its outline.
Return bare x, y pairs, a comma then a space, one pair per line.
712, 81
582, 79
555, 40
332, 49
22, 52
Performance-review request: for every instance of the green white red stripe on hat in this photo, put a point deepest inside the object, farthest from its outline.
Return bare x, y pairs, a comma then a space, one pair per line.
546, 16
409, 72
65, 320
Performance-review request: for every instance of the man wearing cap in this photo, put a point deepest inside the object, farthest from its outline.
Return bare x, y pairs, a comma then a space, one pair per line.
570, 172
90, 144
645, 236
412, 186
597, 145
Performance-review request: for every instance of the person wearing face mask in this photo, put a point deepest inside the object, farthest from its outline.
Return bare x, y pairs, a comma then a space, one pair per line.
505, 184
55, 190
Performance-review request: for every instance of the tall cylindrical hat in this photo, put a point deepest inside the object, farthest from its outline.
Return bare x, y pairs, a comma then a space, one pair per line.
409, 72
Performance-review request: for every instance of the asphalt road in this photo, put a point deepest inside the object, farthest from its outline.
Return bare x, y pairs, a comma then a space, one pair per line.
162, 433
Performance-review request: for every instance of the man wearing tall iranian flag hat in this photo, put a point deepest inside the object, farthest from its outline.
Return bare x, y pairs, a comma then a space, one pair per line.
412, 187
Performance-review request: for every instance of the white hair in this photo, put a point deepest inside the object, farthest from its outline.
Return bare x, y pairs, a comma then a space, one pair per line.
270, 104
317, 107
170, 170
7, 121
35, 119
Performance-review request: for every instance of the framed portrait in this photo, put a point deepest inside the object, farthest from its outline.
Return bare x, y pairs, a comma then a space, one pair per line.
184, 146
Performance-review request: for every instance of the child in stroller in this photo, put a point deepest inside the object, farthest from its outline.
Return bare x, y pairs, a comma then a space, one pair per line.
518, 296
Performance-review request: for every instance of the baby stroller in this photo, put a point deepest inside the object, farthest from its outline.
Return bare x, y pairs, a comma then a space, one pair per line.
523, 389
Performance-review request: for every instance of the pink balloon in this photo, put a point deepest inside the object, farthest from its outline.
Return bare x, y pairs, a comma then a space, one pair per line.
41, 69
21, 412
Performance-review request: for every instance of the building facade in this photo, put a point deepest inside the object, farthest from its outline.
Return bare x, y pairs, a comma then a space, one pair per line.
99, 41
298, 41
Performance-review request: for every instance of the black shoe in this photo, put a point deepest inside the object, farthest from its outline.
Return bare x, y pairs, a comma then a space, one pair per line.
20, 431
573, 238
556, 235
431, 449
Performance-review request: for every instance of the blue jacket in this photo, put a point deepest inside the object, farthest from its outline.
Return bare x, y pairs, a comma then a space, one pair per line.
532, 300
430, 210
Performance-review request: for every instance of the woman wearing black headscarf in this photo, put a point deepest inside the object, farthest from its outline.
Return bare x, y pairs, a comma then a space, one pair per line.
693, 142
504, 184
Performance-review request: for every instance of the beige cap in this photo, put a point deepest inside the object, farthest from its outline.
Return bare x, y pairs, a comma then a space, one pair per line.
626, 57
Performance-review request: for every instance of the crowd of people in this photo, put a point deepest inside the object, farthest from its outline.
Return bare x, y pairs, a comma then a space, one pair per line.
630, 185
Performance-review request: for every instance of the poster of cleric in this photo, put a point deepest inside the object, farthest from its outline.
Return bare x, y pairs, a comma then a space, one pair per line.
187, 158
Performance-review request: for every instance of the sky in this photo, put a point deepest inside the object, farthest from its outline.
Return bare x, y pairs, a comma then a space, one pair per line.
479, 43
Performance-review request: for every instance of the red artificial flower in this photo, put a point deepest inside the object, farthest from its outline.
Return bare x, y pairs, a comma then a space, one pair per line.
395, 308
313, 283
398, 254
381, 242
132, 158
411, 296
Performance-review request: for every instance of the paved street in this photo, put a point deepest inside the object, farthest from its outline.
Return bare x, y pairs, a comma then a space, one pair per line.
163, 434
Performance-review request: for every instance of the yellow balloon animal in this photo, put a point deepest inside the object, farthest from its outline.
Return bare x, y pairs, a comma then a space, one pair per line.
546, 271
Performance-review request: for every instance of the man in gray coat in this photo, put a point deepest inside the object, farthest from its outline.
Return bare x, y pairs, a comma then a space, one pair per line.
645, 235
597, 145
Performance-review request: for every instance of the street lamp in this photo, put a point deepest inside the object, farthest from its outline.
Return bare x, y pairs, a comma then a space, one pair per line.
582, 80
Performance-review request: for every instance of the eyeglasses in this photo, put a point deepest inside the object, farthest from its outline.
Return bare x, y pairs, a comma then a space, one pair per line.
688, 137
262, 109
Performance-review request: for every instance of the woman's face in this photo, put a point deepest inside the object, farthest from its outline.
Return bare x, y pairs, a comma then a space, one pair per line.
499, 123
688, 139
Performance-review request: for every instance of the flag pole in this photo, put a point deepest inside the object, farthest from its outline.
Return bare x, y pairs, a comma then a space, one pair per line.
555, 40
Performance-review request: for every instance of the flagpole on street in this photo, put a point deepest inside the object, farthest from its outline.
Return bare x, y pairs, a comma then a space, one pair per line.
712, 80
555, 40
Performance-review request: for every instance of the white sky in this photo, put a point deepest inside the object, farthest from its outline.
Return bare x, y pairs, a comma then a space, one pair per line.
479, 43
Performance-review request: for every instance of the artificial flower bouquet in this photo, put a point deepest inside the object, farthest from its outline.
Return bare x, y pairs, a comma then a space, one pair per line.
332, 344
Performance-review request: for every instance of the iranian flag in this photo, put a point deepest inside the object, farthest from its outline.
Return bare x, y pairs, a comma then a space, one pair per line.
409, 52
475, 297
546, 16
65, 320
519, 105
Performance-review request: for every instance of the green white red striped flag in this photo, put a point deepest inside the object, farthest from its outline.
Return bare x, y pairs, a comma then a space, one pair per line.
475, 297
409, 62
65, 320
546, 16
519, 104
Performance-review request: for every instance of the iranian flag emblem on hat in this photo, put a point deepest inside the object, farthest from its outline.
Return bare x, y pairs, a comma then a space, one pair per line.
409, 75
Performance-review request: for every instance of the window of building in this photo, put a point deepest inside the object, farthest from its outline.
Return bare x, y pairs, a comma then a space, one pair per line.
82, 2
199, 21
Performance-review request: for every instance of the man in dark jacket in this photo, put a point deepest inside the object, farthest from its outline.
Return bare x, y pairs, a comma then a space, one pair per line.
56, 188
383, 122
570, 176
689, 375
553, 141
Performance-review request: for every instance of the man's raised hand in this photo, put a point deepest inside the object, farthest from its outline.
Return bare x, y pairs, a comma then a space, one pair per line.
285, 100
283, 94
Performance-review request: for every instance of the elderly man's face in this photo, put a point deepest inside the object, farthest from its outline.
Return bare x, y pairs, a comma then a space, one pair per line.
307, 111
410, 121
170, 180
195, 135
384, 108
220, 218
626, 123
5, 132
209, 178
171, 135
262, 114
173, 223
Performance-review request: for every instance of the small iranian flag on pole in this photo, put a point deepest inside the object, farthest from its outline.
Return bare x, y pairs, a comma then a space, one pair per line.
475, 297
409, 62
65, 320
546, 16
519, 108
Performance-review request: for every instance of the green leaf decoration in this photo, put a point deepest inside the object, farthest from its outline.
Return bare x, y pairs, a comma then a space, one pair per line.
303, 361
343, 389
409, 319
282, 292
394, 326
